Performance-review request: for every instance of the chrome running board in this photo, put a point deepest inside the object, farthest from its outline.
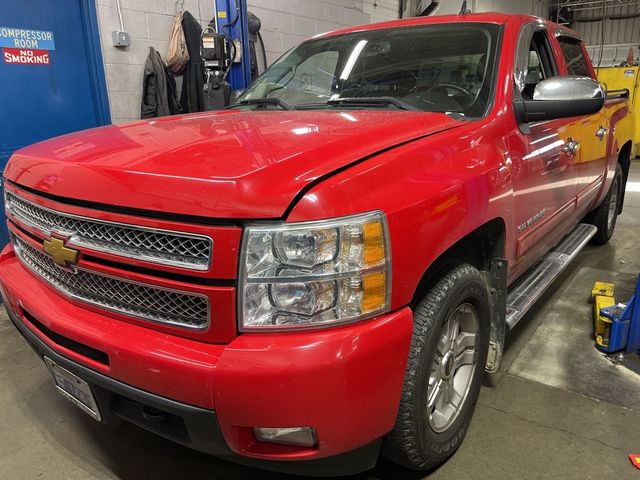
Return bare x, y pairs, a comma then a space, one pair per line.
530, 287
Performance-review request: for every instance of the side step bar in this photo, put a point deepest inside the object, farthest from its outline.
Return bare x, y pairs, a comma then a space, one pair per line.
530, 287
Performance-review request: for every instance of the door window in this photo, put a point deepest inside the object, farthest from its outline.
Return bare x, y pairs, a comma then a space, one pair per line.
574, 56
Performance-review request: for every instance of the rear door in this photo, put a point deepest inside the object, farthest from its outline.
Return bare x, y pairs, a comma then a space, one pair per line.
591, 159
543, 167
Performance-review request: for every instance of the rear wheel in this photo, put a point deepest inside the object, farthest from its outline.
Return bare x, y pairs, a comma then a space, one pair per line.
606, 215
444, 372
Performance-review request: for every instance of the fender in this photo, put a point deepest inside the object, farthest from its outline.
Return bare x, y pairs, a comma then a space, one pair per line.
322, 178
434, 191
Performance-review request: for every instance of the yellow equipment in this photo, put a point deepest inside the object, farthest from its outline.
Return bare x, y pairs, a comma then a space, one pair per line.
602, 295
624, 78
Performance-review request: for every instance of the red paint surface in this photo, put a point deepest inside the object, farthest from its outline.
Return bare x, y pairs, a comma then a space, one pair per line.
213, 164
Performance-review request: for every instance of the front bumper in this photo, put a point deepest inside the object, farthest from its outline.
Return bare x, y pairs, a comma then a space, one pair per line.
193, 427
345, 382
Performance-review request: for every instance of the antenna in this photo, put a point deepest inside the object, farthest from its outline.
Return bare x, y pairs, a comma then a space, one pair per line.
463, 9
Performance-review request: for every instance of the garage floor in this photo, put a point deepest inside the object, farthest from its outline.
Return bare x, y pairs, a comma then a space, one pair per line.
562, 410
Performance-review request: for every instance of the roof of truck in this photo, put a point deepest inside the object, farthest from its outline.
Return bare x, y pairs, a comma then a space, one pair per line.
489, 17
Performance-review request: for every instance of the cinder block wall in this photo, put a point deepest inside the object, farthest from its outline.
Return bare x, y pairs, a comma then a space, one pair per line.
149, 23
382, 10
532, 7
285, 23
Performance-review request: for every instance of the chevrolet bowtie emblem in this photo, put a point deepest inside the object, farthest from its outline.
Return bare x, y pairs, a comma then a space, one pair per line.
59, 253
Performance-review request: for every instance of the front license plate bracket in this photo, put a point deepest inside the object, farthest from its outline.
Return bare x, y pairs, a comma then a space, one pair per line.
74, 389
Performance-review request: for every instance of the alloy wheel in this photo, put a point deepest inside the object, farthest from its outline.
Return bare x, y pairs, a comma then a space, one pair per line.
454, 364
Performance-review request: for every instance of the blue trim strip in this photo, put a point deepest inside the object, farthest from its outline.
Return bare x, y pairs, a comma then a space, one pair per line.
95, 61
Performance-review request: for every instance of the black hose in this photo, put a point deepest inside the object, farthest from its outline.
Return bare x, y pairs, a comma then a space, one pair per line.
234, 21
429, 10
602, 30
264, 51
234, 49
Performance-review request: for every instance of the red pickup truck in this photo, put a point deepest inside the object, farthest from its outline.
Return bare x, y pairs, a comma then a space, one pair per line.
326, 270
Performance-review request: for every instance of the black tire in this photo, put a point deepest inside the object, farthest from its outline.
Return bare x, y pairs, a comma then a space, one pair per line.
600, 217
413, 443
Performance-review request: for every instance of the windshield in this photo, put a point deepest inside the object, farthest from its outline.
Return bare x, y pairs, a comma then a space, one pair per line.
435, 68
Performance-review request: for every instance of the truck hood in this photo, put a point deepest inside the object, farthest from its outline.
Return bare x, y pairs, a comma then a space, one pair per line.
227, 164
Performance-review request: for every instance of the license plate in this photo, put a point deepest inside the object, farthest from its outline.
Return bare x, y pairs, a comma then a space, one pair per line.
74, 389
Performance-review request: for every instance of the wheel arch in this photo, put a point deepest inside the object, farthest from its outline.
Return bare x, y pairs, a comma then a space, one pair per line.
624, 160
478, 248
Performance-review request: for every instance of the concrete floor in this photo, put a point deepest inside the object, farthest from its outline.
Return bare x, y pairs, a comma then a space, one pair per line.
562, 410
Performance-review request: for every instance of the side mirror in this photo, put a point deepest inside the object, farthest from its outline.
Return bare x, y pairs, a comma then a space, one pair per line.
561, 97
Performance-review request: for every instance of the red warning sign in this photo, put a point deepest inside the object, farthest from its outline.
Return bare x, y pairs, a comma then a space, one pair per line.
21, 56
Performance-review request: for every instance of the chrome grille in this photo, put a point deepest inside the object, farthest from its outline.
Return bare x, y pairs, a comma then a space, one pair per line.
182, 309
156, 246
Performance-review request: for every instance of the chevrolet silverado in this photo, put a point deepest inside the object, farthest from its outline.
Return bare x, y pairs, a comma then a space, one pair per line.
326, 270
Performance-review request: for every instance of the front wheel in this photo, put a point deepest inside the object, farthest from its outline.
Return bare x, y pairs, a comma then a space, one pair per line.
444, 372
606, 215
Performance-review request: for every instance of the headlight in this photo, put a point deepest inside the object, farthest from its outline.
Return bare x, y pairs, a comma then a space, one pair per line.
314, 274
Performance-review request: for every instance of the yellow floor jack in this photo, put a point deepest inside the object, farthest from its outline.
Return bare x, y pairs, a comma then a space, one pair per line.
617, 325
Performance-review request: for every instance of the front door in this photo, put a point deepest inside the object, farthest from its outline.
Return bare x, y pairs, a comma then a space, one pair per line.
591, 162
543, 157
51, 74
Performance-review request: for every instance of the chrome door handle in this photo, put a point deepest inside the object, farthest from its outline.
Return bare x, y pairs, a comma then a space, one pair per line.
571, 147
601, 132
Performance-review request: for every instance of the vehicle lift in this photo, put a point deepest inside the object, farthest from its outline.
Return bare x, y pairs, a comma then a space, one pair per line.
617, 326
232, 19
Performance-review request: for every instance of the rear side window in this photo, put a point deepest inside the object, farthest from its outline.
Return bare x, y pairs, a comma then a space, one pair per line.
573, 57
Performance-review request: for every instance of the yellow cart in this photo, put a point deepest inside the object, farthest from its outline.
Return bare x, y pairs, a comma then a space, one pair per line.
624, 78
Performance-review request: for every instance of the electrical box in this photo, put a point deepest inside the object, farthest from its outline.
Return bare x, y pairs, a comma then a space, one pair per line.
120, 39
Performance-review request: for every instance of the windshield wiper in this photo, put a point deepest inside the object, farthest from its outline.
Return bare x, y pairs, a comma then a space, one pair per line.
264, 102
374, 101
